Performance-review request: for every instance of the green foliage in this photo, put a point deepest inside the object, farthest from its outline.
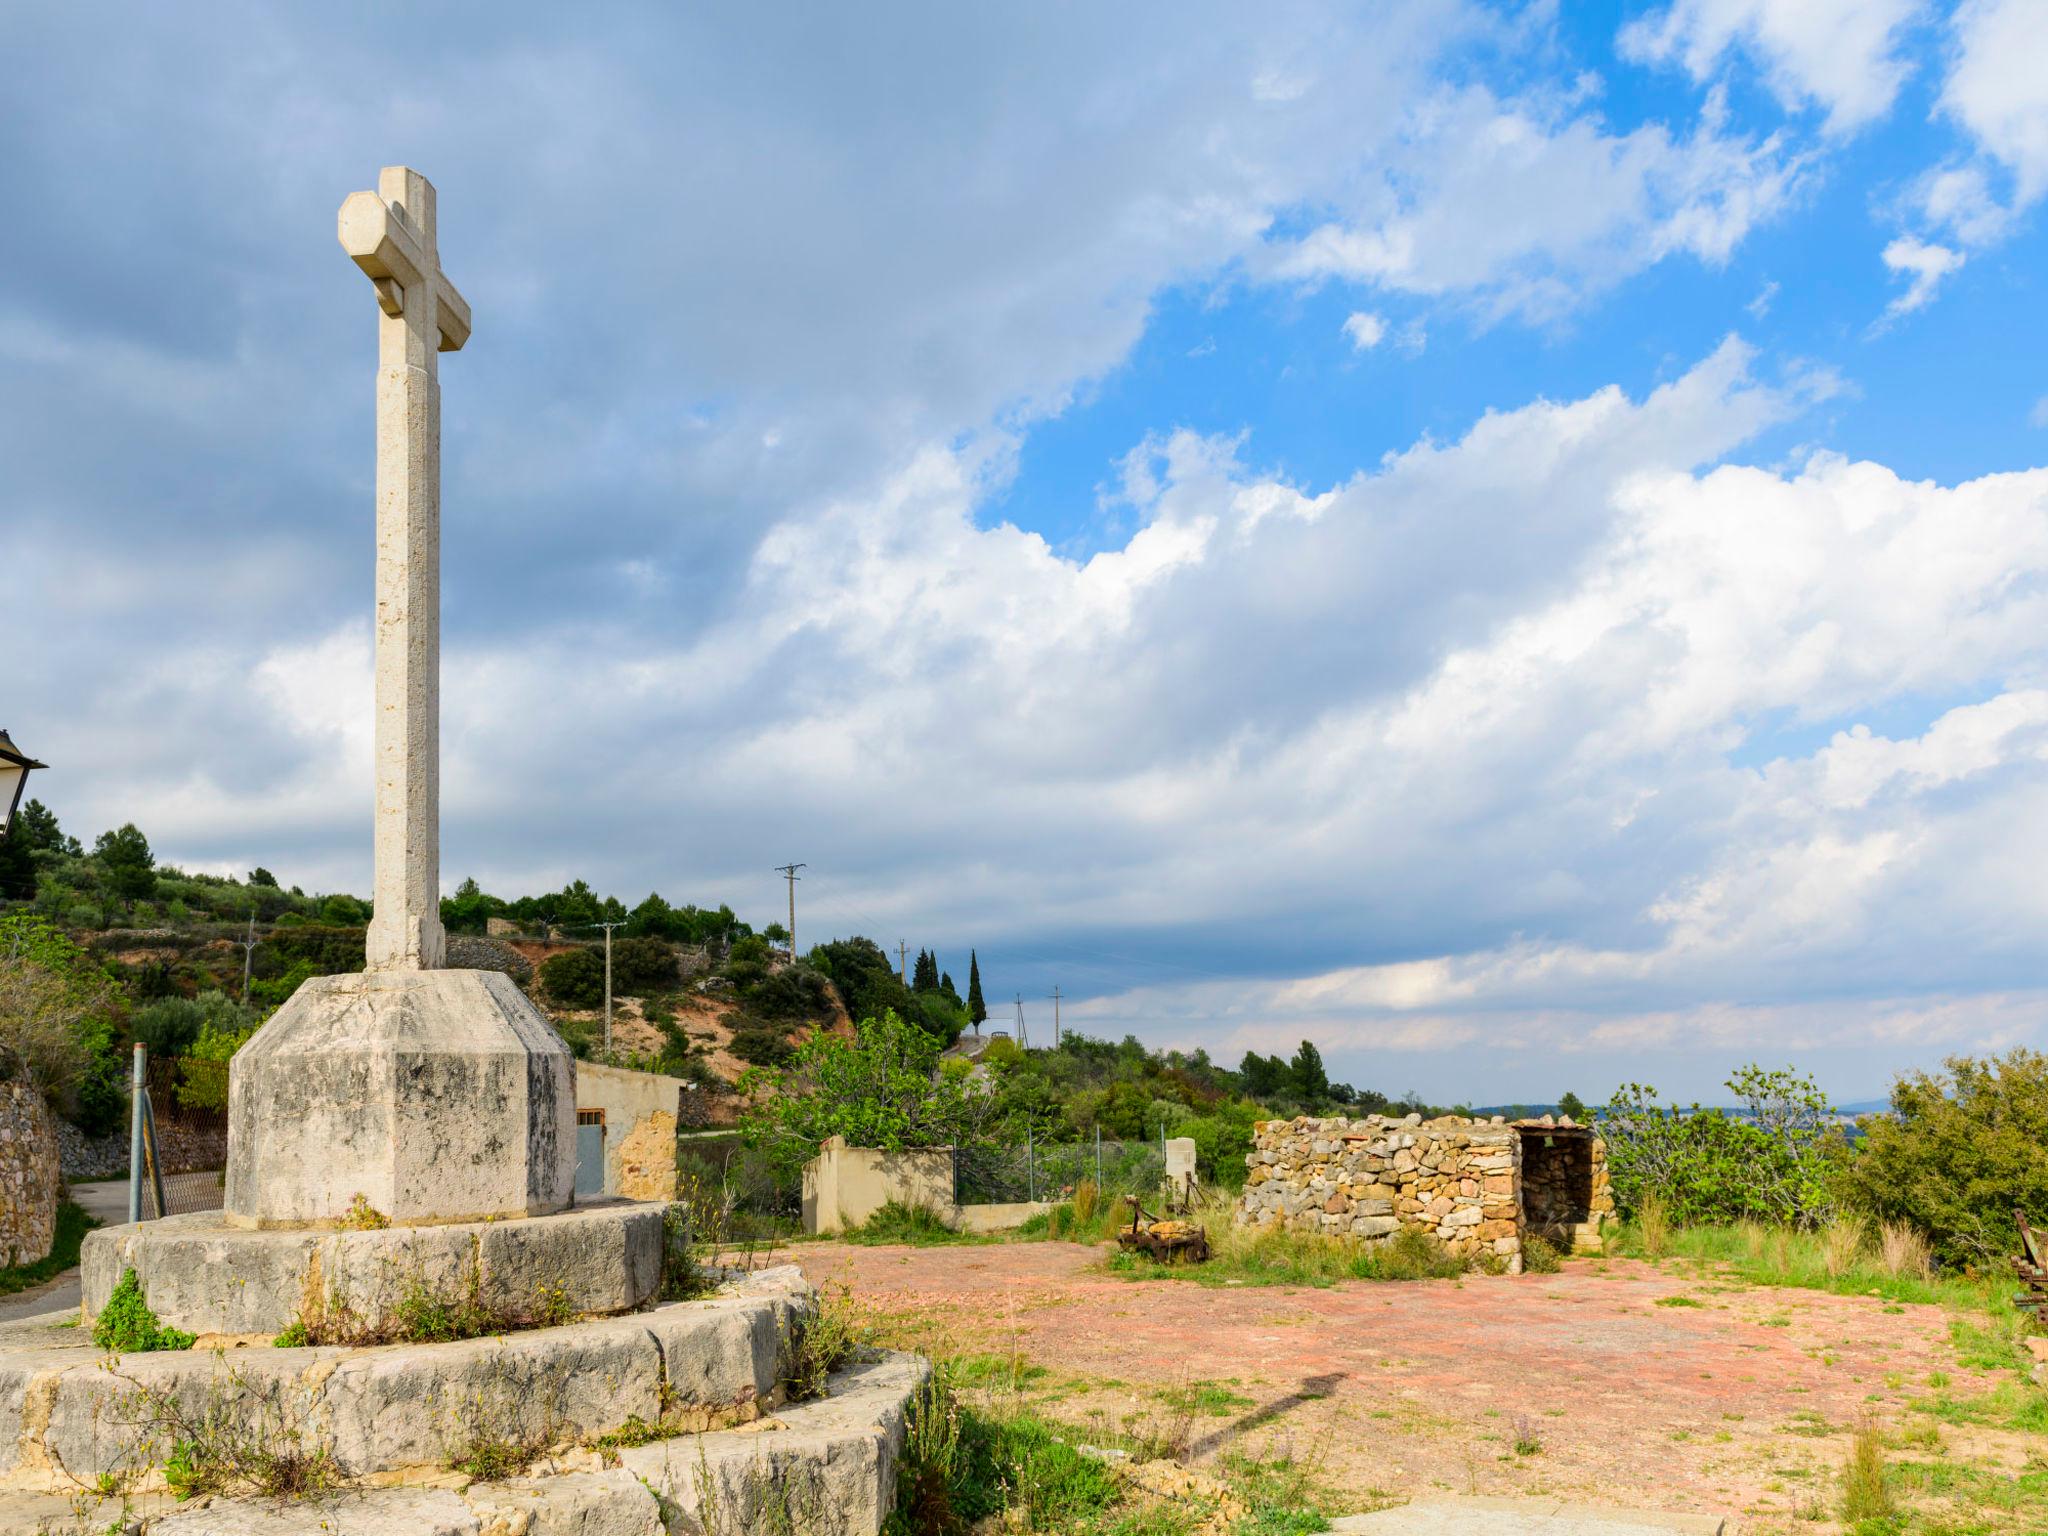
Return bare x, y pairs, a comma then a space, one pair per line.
203, 1073
126, 863
867, 981
325, 949
880, 1088
1961, 1150
1306, 1076
643, 965
762, 1047
574, 978
790, 992
977, 1010
1773, 1164
126, 1326
71, 1226
1571, 1106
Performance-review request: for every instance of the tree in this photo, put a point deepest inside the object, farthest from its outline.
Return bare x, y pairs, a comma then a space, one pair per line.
38, 823
17, 866
130, 868
924, 976
1959, 1152
881, 1089
977, 1010
574, 978
1264, 1077
1570, 1107
261, 876
643, 965
1306, 1073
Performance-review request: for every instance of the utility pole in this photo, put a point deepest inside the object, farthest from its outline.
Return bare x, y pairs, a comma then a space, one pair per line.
1023, 1040
789, 873
248, 956
1055, 1016
608, 927
902, 970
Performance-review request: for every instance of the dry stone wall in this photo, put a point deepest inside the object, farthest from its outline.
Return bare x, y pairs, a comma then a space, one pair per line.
1453, 1179
28, 1175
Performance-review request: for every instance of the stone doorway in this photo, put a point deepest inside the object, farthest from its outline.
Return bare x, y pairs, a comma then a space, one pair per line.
1558, 1185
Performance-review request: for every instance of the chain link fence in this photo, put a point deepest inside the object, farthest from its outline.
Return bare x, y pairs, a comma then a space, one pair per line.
185, 1136
1030, 1170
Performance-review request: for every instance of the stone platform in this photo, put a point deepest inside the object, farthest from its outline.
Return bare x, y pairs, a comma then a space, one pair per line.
205, 1275
396, 1413
430, 1095
822, 1468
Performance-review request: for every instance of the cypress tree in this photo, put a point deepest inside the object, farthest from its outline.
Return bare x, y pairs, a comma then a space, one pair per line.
977, 1010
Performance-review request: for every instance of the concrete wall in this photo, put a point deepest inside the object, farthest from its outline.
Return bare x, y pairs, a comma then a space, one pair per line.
844, 1186
28, 1175
640, 1111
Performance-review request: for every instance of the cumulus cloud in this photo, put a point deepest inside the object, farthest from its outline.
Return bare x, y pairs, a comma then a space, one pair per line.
1924, 266
1365, 330
1842, 56
1997, 90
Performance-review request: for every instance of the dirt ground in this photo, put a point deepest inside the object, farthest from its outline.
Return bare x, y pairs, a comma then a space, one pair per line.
1658, 1389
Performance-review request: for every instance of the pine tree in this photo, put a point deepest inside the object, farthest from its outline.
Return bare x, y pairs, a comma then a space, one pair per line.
977, 1010
924, 976
1310, 1080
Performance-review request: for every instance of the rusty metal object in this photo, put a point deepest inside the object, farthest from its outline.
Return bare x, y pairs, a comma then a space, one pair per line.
1170, 1242
2032, 1267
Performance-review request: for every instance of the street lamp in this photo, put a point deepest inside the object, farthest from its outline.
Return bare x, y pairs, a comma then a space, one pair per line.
14, 767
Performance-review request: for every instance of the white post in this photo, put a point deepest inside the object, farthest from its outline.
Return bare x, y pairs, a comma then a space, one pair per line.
607, 989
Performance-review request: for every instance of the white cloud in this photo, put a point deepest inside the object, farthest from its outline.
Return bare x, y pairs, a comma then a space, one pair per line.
1997, 87
2038, 416
1843, 56
1924, 267
1365, 329
1523, 208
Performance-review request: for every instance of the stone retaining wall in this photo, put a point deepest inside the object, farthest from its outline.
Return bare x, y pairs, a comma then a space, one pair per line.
28, 1175
1456, 1180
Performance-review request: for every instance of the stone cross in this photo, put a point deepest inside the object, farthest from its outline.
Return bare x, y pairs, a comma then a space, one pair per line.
390, 234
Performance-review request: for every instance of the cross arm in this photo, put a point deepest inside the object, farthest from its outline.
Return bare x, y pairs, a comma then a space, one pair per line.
390, 256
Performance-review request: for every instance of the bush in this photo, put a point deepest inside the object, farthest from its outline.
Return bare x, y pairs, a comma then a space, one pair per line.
1775, 1164
1959, 1152
762, 1047
794, 992
641, 966
167, 1027
127, 1326
574, 978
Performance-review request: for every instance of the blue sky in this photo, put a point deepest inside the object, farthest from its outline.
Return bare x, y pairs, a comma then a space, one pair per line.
1507, 540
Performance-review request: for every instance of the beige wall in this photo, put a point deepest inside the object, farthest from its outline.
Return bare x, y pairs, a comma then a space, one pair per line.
844, 1186
639, 1127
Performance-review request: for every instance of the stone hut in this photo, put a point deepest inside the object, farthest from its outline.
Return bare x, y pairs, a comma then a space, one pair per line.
28, 1175
1477, 1186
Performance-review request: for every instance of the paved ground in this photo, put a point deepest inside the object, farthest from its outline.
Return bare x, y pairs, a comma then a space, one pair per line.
1656, 1390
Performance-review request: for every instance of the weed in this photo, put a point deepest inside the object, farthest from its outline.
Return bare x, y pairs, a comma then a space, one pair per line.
1539, 1257
1841, 1245
1653, 1224
1677, 1301
1527, 1442
1903, 1251
361, 1216
127, 1326
682, 1277
491, 1459
1086, 1201
828, 1343
1866, 1493
296, 1335
917, 1225
218, 1445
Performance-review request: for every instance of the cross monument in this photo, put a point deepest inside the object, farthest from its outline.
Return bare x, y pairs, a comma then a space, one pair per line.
390, 234
432, 1095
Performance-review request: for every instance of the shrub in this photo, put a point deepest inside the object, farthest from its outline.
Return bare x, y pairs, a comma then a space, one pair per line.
1539, 1257
203, 1074
1960, 1150
762, 1047
1775, 1163
643, 965
126, 1326
574, 978
794, 992
168, 1026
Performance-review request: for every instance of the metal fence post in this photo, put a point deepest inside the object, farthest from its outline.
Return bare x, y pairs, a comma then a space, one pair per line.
1030, 1166
135, 1091
1098, 1156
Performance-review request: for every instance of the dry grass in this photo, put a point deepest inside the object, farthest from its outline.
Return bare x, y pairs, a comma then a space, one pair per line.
1653, 1225
1902, 1250
1841, 1245
1866, 1494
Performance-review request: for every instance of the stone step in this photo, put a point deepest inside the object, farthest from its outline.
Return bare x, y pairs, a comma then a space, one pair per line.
820, 1468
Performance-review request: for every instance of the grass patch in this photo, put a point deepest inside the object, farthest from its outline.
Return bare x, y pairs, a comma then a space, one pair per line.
1676, 1301
1276, 1256
916, 1226
72, 1225
1866, 1490
1207, 1398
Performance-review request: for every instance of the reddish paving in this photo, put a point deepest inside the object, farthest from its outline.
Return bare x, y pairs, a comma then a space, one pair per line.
1737, 1405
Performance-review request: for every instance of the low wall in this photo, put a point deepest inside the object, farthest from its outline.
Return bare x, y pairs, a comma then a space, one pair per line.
28, 1175
844, 1186
1456, 1180
640, 1110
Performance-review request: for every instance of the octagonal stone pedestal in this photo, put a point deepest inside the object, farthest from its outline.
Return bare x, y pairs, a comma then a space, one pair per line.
436, 1096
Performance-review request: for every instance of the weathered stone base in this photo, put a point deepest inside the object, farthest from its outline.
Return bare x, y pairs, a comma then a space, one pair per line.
68, 1416
430, 1095
823, 1468
203, 1275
